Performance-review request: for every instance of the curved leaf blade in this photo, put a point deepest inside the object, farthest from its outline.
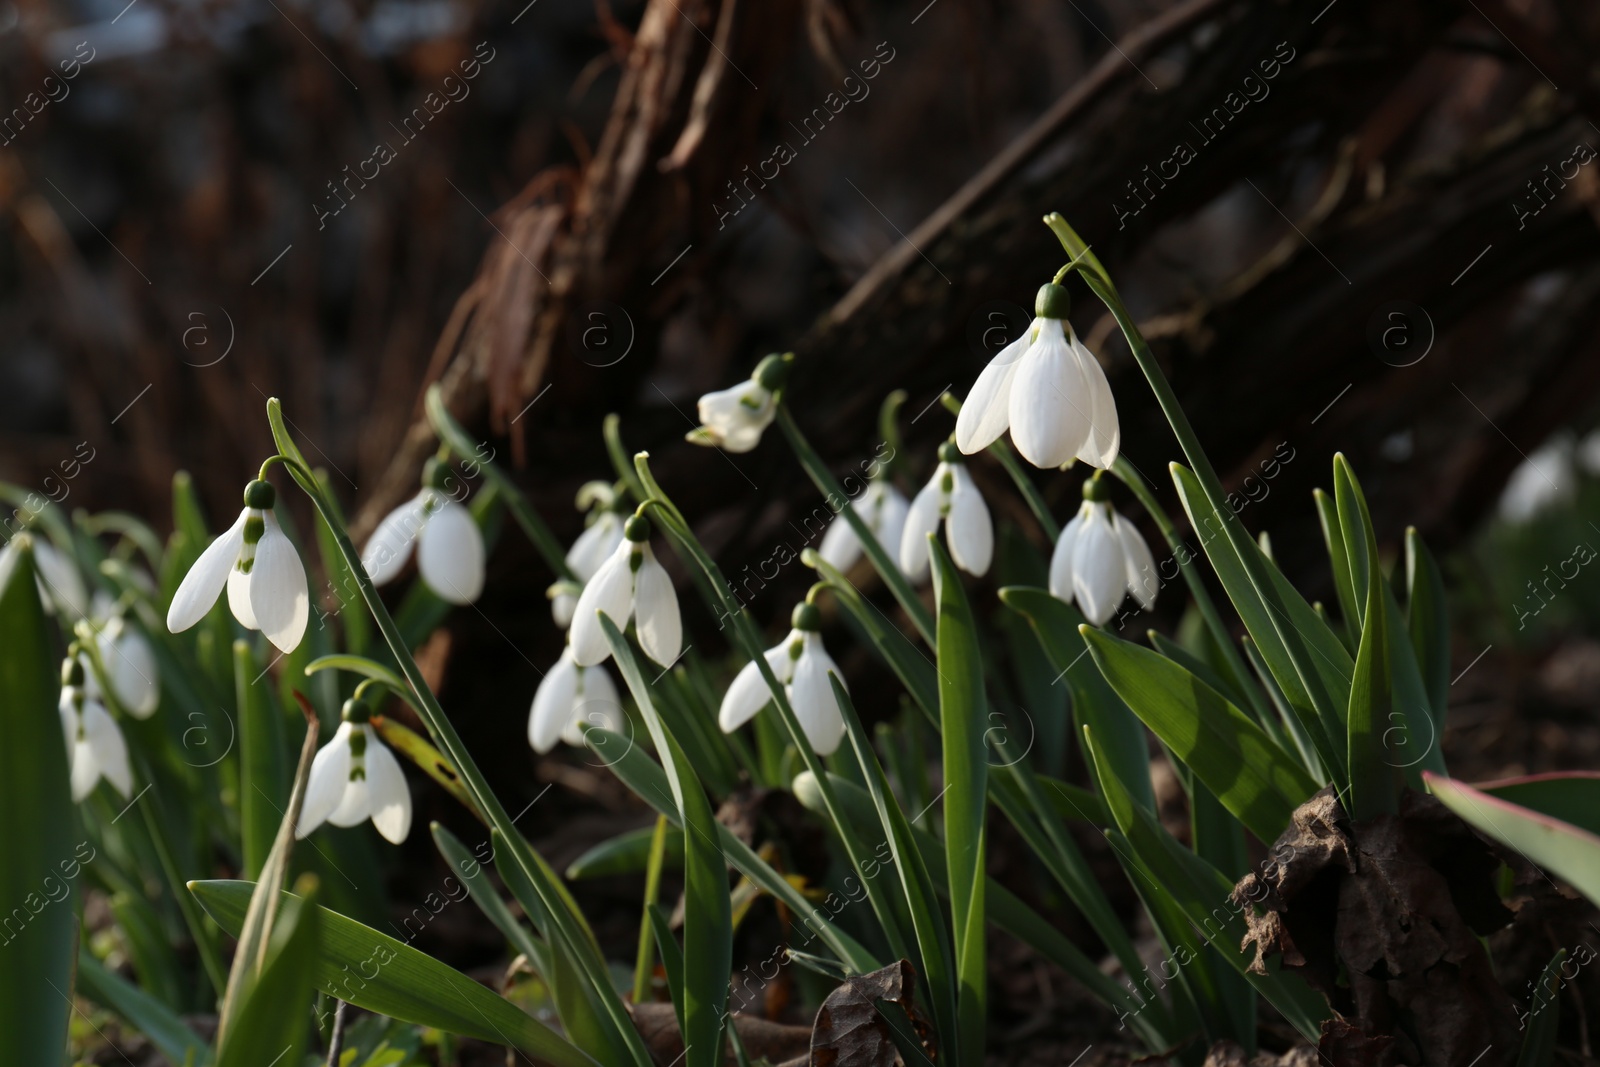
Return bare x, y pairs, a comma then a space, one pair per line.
405, 983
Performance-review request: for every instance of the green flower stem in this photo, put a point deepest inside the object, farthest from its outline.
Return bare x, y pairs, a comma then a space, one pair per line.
1008, 459
831, 490
1095, 275
677, 528
1239, 674
644, 963
889, 430
612, 430
569, 931
452, 435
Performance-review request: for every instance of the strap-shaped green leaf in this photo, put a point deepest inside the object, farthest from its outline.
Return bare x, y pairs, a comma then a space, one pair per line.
1250, 775
374, 971
144, 1013
1558, 846
1543, 1016
1205, 895
963, 718
42, 854
272, 1023
708, 910
1307, 661
1428, 620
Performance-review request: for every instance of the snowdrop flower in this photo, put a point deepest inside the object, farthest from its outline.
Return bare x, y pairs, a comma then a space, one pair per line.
1540, 481
1100, 558
589, 552
801, 663
130, 665
95, 748
1049, 390
258, 564
629, 584
355, 777
735, 418
570, 698
883, 508
450, 550
61, 587
950, 497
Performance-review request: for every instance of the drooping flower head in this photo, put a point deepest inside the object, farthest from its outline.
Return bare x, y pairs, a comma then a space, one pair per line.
629, 584
801, 663
1101, 557
883, 508
95, 748
450, 553
950, 497
1049, 390
130, 665
61, 587
734, 418
568, 699
355, 777
592, 548
258, 564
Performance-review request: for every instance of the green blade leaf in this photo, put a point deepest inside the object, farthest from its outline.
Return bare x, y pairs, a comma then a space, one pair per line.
1250, 775
1543, 1016
41, 828
1094, 703
648, 781
927, 918
404, 983
1428, 621
487, 898
1373, 786
1310, 664
1571, 796
1559, 847
963, 717
144, 1013
272, 1022
708, 909
1339, 561
627, 853
264, 770
1205, 895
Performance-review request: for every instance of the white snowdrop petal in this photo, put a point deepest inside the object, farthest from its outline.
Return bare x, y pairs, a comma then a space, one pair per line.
131, 662
85, 769
597, 705
660, 627
450, 554
812, 697
562, 605
1143, 582
1049, 401
749, 693
390, 544
986, 412
60, 579
968, 529
239, 598
278, 594
1104, 437
594, 546
609, 591
386, 786
840, 546
330, 772
355, 805
1100, 578
890, 517
110, 751
735, 418
922, 519
1061, 560
552, 704
206, 579
69, 719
